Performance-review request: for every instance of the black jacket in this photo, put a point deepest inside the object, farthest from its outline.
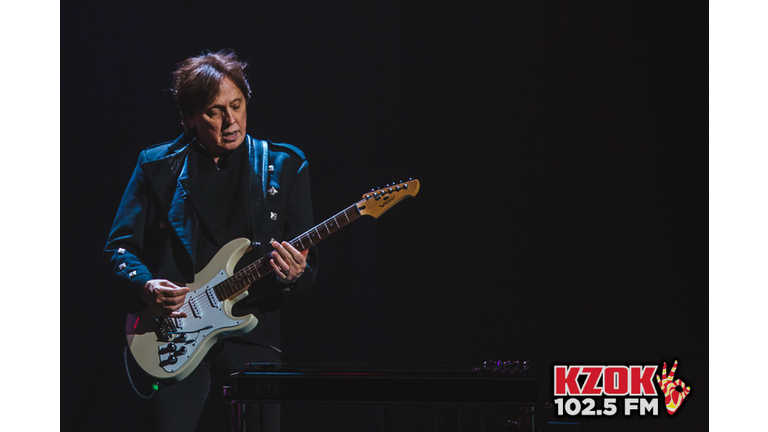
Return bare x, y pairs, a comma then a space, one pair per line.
154, 235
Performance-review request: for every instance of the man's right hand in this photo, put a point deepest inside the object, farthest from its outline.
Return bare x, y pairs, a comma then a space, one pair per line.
164, 297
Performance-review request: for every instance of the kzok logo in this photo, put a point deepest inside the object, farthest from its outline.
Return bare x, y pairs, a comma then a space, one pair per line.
625, 381
616, 380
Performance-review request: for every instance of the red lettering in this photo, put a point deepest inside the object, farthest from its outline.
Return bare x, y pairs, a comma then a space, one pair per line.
565, 380
616, 380
641, 380
593, 376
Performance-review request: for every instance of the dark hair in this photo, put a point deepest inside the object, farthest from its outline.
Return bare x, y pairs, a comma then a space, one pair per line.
196, 80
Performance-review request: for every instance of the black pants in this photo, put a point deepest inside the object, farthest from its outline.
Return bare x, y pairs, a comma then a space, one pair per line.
197, 403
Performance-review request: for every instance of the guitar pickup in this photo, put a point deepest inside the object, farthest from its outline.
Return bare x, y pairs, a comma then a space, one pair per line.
212, 297
195, 308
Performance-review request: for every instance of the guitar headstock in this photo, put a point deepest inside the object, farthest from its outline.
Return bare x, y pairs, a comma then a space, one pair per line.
376, 202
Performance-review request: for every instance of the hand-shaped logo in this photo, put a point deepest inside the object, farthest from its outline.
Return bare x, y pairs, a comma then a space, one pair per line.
673, 398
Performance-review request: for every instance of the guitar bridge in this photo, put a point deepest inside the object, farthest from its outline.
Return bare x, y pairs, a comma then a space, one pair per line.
169, 327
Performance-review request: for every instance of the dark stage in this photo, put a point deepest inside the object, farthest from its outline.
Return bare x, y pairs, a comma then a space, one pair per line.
561, 149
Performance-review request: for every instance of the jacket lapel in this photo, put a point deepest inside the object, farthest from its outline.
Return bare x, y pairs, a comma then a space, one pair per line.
181, 214
172, 181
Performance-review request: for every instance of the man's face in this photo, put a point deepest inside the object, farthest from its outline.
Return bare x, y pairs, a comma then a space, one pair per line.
221, 125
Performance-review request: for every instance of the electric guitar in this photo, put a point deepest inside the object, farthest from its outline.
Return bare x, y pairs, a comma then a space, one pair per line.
171, 348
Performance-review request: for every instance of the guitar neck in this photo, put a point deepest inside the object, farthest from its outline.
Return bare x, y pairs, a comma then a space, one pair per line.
240, 281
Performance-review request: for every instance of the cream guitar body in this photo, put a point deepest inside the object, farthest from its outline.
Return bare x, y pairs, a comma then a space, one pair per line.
171, 348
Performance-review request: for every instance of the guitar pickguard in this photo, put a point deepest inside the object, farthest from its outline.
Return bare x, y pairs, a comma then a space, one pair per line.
180, 336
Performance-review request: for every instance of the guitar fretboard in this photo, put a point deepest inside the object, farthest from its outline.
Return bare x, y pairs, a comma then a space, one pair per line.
260, 268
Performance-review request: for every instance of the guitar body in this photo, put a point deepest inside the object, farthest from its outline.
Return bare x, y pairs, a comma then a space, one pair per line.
172, 348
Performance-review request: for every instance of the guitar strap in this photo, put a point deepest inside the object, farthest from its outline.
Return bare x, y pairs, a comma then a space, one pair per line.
264, 163
257, 164
264, 166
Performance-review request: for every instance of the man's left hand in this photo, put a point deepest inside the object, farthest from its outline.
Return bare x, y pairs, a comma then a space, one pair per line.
288, 262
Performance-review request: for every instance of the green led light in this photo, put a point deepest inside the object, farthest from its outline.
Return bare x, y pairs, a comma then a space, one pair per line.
155, 387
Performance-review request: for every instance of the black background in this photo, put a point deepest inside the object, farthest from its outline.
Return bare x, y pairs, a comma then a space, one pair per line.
561, 149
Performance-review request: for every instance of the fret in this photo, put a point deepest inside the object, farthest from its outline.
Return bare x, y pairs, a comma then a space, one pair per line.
297, 244
263, 266
231, 287
220, 290
248, 274
255, 271
319, 231
332, 226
